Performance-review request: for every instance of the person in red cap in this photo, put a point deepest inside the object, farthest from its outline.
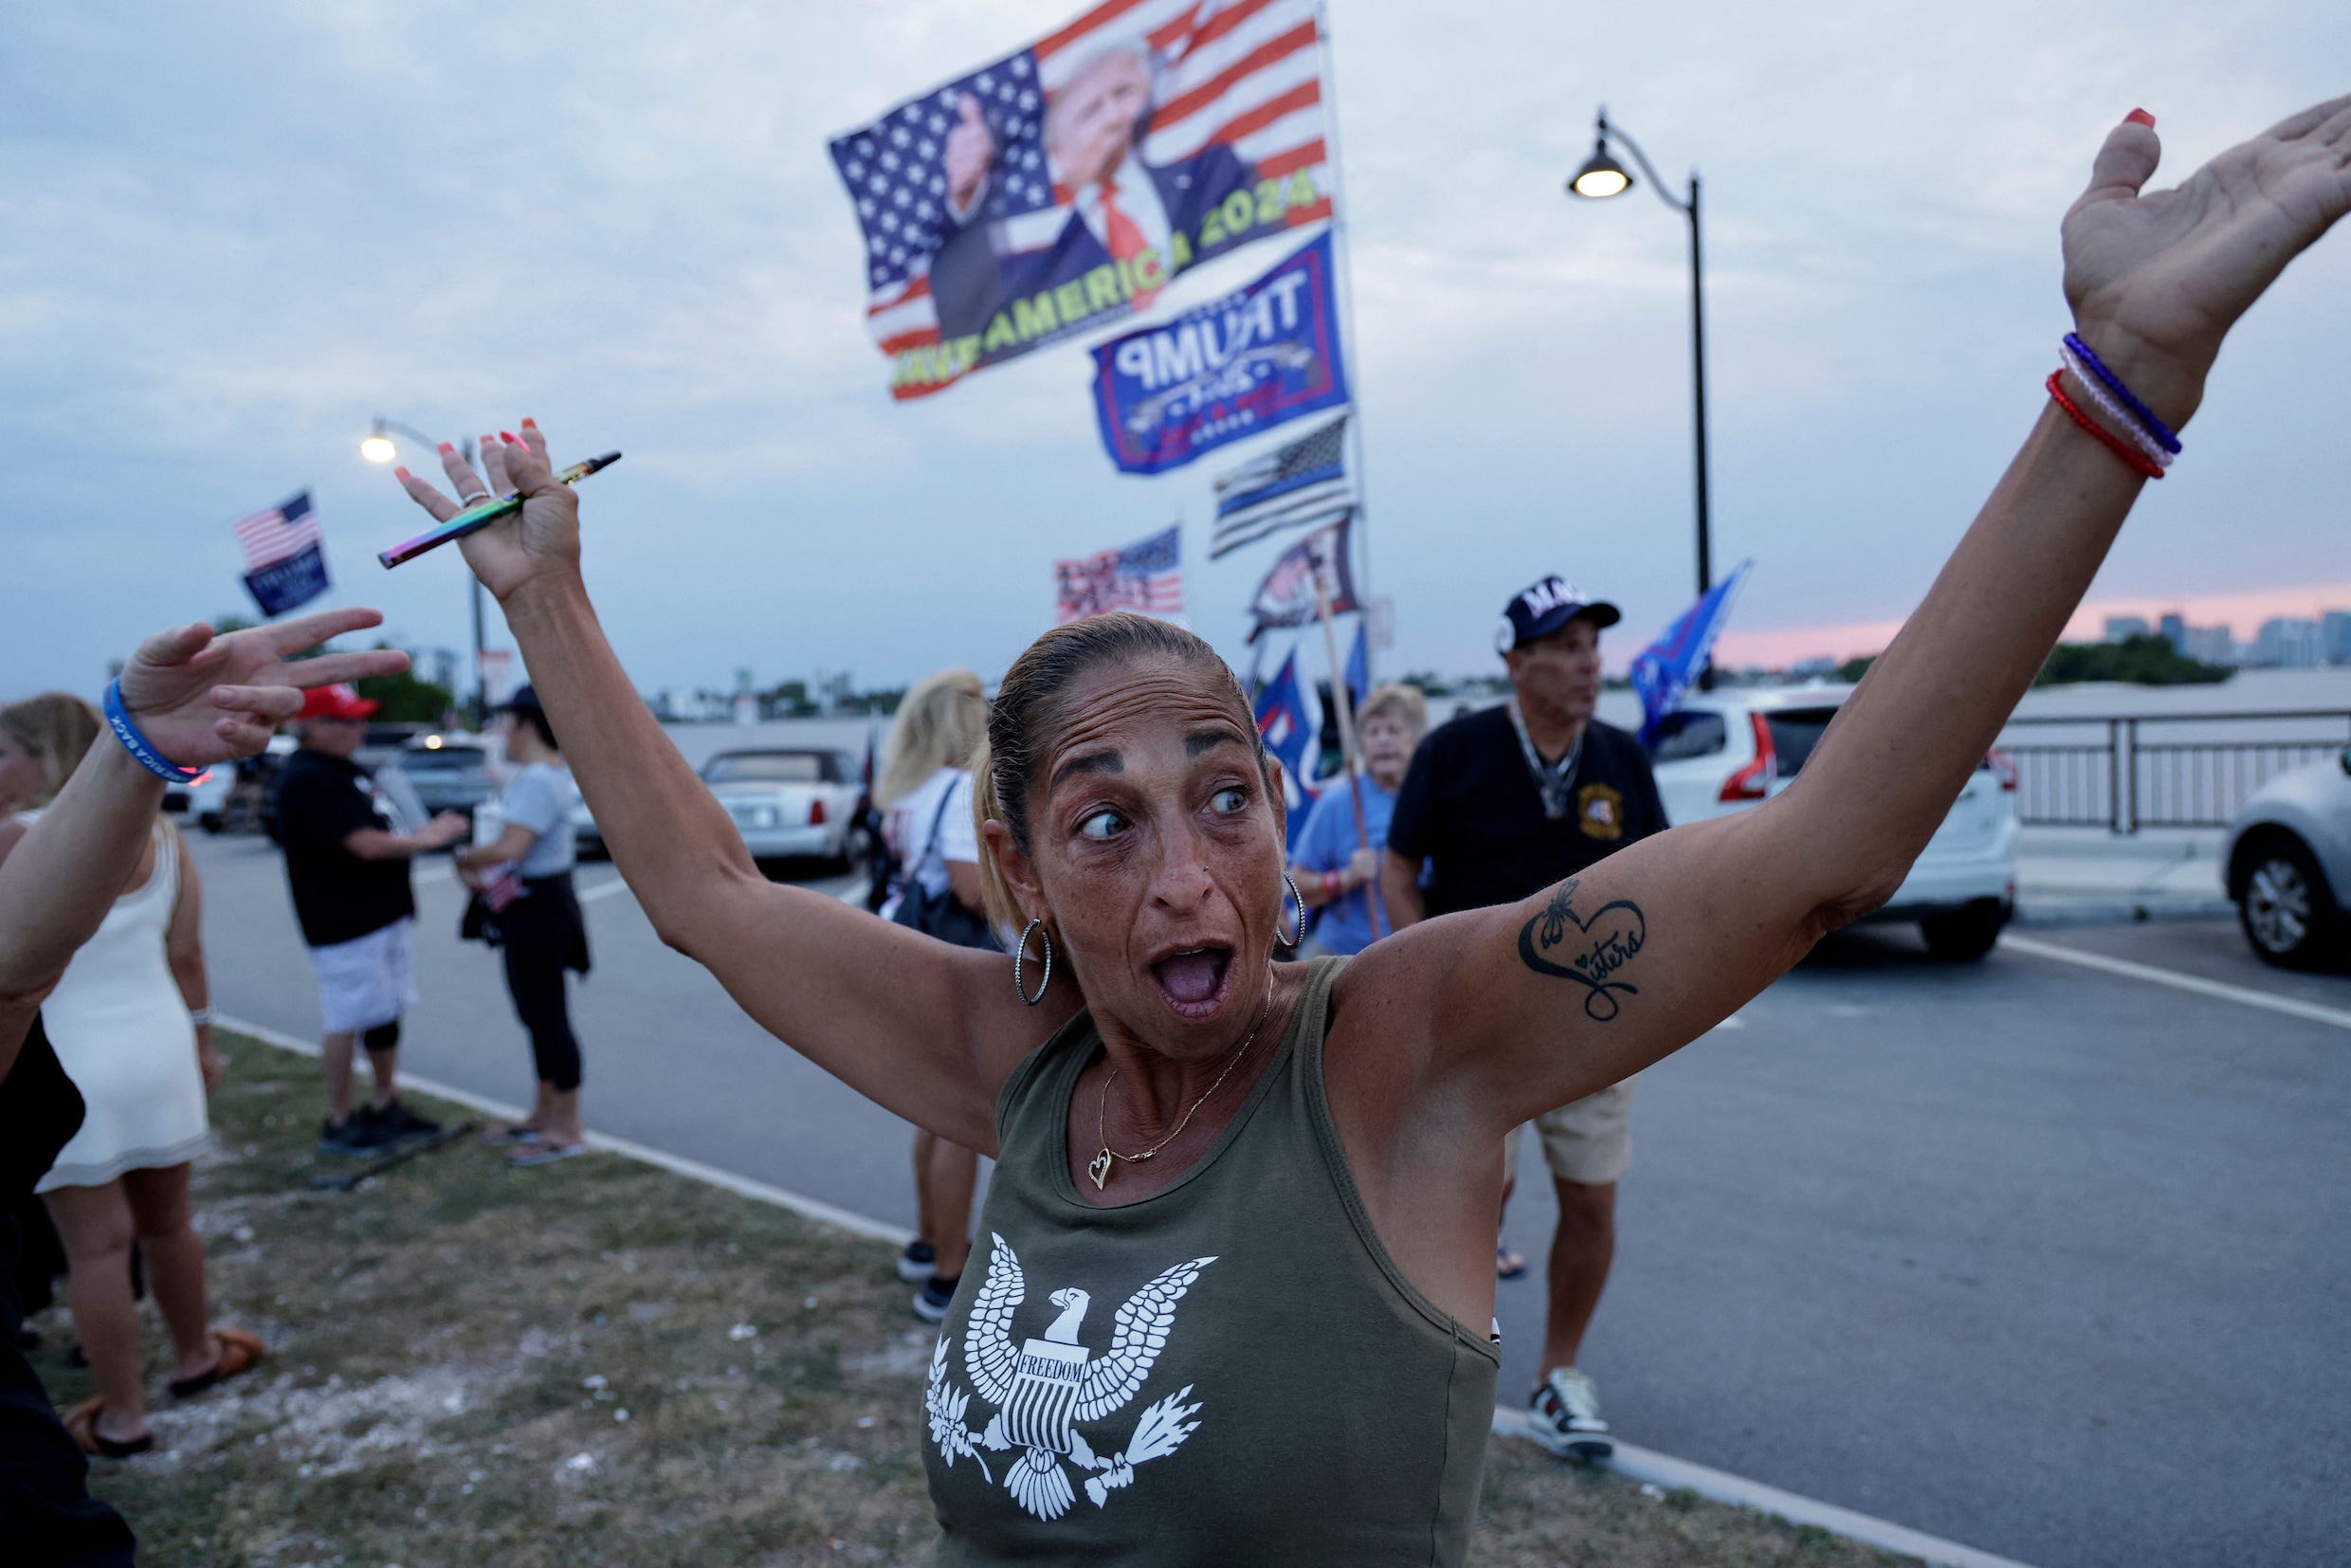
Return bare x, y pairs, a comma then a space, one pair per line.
349, 872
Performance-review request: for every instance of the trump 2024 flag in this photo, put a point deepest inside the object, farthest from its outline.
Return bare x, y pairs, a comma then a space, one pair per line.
1224, 371
1058, 189
285, 565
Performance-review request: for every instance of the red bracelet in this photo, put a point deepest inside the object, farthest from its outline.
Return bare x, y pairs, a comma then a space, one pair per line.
2132, 455
1330, 886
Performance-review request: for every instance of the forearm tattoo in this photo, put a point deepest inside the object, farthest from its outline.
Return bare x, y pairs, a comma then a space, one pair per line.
1597, 946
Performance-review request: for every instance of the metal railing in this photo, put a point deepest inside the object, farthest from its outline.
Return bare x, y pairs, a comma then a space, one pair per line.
2124, 774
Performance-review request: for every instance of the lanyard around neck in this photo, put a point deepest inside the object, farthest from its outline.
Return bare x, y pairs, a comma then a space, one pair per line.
1553, 779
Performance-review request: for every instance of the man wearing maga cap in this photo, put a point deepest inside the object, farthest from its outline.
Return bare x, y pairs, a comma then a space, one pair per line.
1501, 804
349, 873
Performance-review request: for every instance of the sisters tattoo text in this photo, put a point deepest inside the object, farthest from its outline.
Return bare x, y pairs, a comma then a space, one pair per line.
1596, 947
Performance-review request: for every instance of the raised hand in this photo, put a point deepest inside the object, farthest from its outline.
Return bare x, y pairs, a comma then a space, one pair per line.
542, 540
201, 699
971, 148
2156, 280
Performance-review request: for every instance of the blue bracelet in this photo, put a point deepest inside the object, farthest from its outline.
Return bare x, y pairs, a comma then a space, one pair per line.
2145, 415
119, 720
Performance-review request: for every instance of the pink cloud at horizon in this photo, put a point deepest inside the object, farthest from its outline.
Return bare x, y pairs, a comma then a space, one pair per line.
1775, 648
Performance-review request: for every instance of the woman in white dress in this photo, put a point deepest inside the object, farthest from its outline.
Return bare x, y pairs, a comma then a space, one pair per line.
131, 1026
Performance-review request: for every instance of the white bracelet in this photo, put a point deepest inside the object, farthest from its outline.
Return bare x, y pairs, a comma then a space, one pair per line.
200, 1016
2135, 432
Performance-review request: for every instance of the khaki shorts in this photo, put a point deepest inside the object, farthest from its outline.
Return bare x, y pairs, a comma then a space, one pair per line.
1588, 1141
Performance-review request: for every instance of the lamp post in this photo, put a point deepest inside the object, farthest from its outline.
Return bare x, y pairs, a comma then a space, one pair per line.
1601, 177
378, 447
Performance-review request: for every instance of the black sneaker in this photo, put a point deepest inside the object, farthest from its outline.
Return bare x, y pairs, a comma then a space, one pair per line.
932, 1300
917, 1261
357, 1136
398, 1121
1564, 1416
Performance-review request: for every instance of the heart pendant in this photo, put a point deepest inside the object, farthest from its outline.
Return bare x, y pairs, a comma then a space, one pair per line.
1099, 1168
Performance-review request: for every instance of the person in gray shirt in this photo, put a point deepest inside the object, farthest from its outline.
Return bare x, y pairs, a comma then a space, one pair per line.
523, 878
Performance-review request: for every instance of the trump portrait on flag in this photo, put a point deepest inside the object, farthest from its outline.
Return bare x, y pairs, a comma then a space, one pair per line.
1060, 188
1125, 213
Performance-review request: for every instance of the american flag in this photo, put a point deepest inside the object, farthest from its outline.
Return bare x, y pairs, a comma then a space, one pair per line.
285, 530
1146, 575
1243, 72
1292, 486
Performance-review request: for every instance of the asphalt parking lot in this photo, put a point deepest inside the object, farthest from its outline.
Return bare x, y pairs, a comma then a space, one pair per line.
2037, 1257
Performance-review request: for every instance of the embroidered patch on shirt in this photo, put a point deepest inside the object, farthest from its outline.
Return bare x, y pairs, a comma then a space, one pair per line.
1601, 811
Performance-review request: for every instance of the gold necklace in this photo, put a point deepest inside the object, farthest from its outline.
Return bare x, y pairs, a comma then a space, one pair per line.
1099, 1166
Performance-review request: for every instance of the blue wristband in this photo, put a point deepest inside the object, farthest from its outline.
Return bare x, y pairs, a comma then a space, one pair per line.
119, 720
2139, 411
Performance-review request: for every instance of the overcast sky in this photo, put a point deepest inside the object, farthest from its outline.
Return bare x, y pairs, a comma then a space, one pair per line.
230, 234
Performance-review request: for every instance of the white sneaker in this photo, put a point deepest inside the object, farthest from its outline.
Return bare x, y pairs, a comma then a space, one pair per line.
1566, 1416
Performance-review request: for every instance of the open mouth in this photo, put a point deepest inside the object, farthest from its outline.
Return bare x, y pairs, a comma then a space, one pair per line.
1193, 982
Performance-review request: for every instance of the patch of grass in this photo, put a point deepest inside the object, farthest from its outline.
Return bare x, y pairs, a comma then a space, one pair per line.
1535, 1512
600, 1362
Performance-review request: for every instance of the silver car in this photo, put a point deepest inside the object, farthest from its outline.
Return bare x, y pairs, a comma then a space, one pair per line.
449, 770
789, 804
2288, 851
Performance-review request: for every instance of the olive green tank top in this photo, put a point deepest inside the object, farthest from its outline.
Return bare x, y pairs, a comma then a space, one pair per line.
1231, 1370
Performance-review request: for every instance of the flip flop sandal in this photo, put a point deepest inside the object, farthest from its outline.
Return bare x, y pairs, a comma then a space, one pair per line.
501, 1137
240, 1351
1507, 1264
82, 1422
544, 1152
547, 1154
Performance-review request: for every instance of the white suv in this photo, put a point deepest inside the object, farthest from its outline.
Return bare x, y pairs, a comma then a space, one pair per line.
1723, 751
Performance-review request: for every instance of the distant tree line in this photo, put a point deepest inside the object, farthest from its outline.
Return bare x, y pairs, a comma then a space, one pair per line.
2140, 660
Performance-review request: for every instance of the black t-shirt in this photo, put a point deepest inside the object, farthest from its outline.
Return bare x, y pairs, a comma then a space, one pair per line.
1472, 808
40, 1112
338, 897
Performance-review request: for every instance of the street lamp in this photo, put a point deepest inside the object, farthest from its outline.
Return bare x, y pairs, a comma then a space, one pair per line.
378, 447
1601, 177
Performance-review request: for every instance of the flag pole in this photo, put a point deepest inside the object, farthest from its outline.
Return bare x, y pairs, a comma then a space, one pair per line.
1346, 293
1345, 699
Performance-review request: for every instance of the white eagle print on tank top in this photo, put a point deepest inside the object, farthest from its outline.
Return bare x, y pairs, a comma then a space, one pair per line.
1045, 1387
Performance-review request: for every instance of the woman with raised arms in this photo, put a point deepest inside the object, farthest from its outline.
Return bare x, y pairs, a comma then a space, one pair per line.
186, 699
1233, 1296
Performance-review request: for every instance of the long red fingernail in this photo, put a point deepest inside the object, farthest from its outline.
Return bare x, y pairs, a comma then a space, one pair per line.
2139, 117
510, 438
447, 448
401, 474
529, 424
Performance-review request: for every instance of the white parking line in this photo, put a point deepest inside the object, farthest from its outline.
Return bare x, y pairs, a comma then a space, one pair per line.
1637, 1464
1664, 1470
604, 889
2243, 996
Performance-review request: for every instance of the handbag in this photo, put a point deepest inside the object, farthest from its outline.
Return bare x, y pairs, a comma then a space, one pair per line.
940, 914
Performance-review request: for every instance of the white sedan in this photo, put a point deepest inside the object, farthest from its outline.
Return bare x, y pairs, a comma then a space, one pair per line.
789, 804
1726, 750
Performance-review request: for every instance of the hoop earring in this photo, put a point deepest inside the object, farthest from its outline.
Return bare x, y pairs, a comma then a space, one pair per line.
1290, 942
1021, 950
